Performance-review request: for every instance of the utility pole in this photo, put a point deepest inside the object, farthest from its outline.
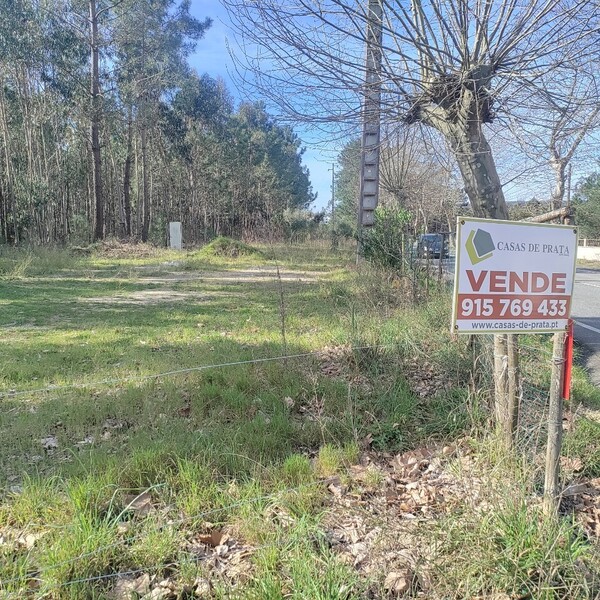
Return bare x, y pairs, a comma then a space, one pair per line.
333, 232
369, 167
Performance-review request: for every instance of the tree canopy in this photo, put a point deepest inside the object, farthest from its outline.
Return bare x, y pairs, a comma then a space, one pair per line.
587, 206
140, 140
456, 67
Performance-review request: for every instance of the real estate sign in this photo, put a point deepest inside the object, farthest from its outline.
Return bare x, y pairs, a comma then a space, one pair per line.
513, 277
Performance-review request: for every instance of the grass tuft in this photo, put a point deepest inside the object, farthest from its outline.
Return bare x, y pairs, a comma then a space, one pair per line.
228, 248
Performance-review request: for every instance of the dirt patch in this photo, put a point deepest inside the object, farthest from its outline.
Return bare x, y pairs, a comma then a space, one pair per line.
168, 278
147, 297
251, 275
262, 274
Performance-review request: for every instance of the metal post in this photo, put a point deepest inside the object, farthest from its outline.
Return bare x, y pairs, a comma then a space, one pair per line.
333, 233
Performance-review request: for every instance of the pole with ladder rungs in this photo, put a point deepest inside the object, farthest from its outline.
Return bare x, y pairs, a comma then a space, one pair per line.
369, 171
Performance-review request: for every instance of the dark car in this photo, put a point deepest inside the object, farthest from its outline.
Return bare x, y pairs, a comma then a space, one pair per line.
431, 245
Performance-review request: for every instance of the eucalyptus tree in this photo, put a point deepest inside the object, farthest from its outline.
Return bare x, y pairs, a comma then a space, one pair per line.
41, 63
152, 40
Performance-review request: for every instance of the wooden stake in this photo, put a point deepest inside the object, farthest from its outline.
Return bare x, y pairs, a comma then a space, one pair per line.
514, 392
555, 414
500, 378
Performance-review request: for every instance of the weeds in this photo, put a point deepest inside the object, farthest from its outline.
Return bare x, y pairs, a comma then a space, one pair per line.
244, 451
512, 550
17, 263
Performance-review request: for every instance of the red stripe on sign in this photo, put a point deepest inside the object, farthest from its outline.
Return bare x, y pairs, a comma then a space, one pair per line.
512, 306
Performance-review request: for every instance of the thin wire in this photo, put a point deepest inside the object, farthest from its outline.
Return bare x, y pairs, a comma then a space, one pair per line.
169, 523
53, 388
130, 572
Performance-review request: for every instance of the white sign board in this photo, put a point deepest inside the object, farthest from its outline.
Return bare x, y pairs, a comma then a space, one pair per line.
513, 277
175, 240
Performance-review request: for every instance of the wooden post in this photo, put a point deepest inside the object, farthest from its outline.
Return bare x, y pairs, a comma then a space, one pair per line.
555, 416
514, 392
500, 379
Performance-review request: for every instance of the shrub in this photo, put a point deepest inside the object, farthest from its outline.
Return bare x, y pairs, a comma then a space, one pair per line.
384, 243
224, 246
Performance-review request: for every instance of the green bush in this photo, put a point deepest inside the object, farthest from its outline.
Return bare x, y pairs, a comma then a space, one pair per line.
384, 243
229, 248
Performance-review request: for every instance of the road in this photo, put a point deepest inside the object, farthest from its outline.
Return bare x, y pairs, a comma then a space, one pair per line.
586, 314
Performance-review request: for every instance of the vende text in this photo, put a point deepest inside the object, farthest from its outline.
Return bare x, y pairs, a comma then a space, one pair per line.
512, 282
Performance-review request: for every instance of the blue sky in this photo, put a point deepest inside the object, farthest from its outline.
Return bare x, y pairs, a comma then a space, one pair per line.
212, 57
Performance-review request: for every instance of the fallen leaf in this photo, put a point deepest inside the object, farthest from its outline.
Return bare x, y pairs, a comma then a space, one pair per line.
128, 585
28, 540
336, 490
202, 587
214, 538
158, 593
141, 504
398, 582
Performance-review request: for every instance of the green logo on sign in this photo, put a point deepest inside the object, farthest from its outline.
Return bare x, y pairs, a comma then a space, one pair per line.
479, 246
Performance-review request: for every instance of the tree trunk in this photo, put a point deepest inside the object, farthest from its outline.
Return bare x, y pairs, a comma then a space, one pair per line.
558, 193
560, 213
96, 116
10, 229
126, 203
478, 170
145, 195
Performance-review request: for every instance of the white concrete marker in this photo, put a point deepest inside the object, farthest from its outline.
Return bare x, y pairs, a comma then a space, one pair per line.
175, 241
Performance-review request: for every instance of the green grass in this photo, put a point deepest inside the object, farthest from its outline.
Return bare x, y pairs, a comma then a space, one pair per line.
242, 448
512, 551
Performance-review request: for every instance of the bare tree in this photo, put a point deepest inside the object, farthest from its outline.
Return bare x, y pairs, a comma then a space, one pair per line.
418, 175
445, 64
561, 118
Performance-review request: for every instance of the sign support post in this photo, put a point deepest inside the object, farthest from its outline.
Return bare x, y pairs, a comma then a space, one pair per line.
517, 277
555, 416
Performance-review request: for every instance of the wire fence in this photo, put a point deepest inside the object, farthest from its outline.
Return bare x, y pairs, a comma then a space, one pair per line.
531, 435
154, 376
535, 363
38, 574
